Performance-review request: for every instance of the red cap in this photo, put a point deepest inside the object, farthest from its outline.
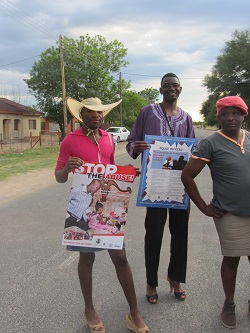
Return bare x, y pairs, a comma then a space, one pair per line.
232, 101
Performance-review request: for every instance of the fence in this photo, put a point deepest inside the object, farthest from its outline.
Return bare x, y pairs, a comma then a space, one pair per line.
17, 145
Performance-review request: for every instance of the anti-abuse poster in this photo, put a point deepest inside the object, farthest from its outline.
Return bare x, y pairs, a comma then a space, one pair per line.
98, 204
160, 182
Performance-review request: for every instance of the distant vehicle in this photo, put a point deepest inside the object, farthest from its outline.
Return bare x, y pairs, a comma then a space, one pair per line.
119, 133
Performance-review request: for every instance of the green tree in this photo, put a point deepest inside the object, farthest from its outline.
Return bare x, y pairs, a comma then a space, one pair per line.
151, 95
231, 73
209, 111
91, 65
132, 103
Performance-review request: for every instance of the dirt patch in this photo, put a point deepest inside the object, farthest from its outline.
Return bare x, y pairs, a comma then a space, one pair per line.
20, 185
26, 183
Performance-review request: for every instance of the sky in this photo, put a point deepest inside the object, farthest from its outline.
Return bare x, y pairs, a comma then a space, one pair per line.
183, 37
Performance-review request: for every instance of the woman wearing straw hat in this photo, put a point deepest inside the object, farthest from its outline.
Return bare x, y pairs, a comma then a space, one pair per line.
90, 143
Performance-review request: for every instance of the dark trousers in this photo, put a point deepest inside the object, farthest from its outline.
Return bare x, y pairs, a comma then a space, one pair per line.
155, 221
72, 221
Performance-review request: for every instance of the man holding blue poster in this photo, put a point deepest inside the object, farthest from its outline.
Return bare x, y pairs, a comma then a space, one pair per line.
163, 119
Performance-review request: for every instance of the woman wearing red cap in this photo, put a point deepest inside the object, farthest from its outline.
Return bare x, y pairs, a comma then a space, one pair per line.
227, 154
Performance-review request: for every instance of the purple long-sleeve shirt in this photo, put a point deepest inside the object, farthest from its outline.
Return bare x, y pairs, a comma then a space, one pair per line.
152, 121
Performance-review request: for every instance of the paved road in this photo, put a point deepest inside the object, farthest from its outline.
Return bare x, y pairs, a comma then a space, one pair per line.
39, 287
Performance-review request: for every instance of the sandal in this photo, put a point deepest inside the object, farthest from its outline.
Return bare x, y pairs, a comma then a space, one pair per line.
97, 328
180, 295
132, 327
152, 299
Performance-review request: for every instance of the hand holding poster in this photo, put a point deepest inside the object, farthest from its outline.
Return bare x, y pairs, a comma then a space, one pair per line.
98, 204
160, 183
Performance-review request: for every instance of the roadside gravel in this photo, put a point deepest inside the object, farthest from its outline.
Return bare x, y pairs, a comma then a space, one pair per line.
20, 185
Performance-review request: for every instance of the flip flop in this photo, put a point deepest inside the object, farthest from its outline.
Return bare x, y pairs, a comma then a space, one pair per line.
152, 299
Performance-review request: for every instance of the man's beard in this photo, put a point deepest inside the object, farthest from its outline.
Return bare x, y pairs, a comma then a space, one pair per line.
171, 99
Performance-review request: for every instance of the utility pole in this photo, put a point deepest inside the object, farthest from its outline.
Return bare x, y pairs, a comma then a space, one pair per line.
65, 122
120, 78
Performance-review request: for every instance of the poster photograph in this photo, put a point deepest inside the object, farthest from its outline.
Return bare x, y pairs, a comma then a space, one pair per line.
160, 182
98, 204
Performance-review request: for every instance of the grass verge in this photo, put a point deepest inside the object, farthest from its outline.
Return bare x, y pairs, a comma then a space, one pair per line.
12, 164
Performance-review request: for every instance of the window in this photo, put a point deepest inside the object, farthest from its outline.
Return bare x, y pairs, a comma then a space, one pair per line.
16, 123
32, 124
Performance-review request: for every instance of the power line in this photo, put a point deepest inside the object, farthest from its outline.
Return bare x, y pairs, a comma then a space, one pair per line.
13, 11
36, 25
12, 63
146, 75
141, 75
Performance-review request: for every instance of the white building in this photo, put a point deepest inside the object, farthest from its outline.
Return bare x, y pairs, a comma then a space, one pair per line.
17, 121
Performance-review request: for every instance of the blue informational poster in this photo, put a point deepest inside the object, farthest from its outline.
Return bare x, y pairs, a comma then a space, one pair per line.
162, 164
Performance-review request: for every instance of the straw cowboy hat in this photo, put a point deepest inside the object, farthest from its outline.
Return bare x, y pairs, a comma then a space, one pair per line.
94, 104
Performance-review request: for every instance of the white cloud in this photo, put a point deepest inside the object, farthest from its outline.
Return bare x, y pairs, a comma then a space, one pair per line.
167, 37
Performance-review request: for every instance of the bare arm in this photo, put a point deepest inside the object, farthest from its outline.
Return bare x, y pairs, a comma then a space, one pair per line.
191, 170
63, 174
